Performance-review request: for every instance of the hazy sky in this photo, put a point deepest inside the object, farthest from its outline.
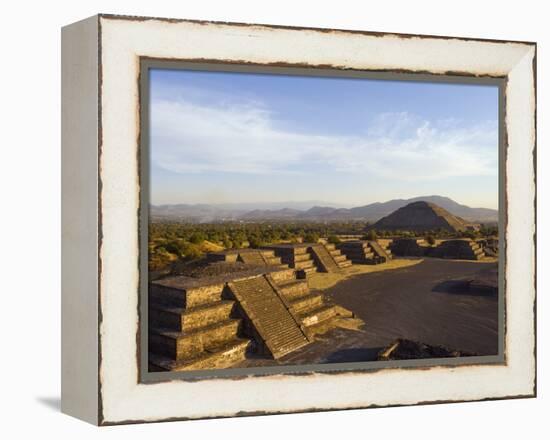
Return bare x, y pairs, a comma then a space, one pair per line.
234, 137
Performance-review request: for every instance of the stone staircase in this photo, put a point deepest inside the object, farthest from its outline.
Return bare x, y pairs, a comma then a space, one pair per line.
362, 252
336, 254
193, 328
313, 311
380, 252
275, 326
385, 244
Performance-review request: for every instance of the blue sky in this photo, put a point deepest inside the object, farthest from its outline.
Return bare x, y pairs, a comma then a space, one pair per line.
234, 138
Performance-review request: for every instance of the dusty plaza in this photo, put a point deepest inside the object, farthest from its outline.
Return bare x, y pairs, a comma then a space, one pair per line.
354, 300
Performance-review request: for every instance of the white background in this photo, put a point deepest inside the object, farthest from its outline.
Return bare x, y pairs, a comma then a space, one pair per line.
30, 216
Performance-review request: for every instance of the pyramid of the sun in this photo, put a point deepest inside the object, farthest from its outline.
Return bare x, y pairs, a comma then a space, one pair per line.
421, 217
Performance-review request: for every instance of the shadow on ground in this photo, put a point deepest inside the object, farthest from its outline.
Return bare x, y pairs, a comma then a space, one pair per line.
52, 403
460, 287
353, 355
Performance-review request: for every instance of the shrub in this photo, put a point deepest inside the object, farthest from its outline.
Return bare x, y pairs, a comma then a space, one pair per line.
197, 237
311, 237
430, 239
255, 242
333, 239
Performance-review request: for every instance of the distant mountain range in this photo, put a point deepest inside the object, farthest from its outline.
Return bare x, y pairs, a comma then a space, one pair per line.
310, 211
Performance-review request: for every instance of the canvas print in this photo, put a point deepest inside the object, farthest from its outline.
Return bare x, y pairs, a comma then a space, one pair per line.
313, 220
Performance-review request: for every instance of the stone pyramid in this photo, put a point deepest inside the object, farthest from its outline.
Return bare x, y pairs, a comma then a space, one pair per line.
420, 217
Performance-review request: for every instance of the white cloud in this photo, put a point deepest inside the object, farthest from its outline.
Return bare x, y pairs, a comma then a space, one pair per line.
242, 138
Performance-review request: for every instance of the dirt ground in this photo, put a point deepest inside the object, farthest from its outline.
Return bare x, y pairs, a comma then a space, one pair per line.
428, 302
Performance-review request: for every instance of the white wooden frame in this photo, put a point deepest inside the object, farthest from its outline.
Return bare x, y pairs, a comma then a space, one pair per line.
100, 135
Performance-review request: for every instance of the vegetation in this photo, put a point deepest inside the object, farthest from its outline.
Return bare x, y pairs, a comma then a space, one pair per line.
430, 239
370, 235
170, 242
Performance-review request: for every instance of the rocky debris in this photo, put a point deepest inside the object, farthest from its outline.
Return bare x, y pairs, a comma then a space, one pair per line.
402, 349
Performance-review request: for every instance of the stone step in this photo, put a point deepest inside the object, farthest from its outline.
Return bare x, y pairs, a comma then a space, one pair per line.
278, 331
300, 250
323, 259
339, 258
318, 315
305, 273
254, 258
302, 257
268, 253
185, 298
307, 303
273, 261
379, 252
293, 289
303, 264
216, 357
181, 345
344, 263
335, 253
283, 275
178, 319
330, 247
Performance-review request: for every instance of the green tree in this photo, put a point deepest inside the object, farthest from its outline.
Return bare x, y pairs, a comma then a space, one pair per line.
311, 237
371, 235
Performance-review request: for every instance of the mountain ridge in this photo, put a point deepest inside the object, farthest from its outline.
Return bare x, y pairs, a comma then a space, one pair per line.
202, 213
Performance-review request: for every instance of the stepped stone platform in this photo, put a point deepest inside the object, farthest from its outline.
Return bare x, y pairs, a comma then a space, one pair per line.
364, 252
409, 247
308, 258
296, 256
462, 249
255, 257
215, 321
457, 249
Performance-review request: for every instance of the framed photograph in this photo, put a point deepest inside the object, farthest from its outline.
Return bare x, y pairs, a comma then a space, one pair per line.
264, 219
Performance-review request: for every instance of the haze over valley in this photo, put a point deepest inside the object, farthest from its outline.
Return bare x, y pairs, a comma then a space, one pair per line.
311, 211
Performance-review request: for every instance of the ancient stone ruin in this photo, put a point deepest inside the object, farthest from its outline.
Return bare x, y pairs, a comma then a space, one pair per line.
308, 258
459, 249
409, 247
422, 217
365, 252
243, 301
